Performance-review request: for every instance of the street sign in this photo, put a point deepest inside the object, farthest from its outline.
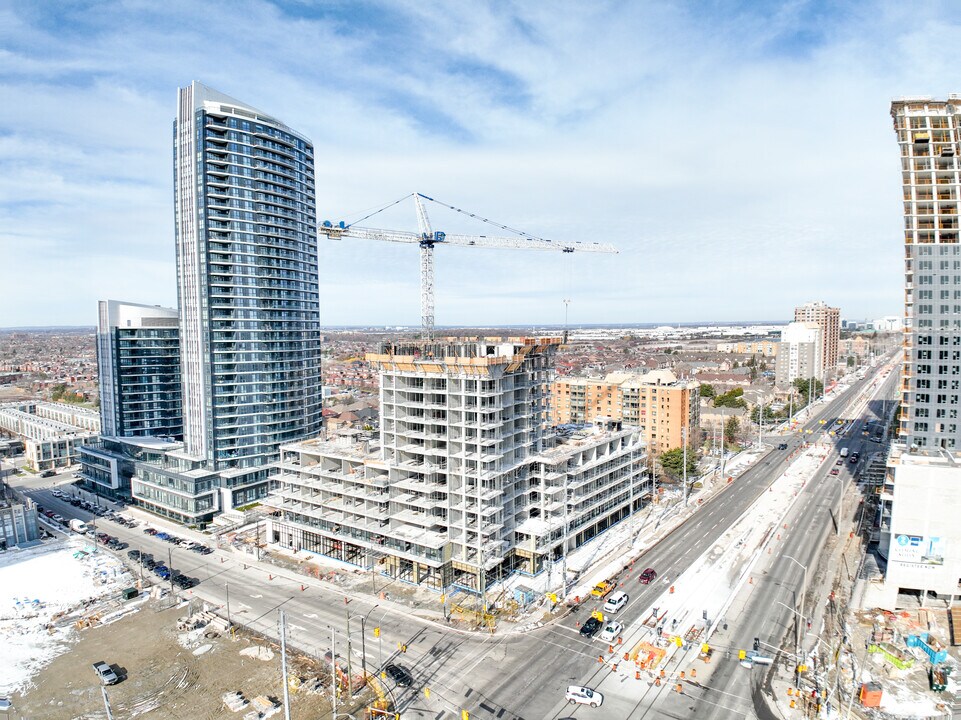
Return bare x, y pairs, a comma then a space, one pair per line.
552, 597
598, 615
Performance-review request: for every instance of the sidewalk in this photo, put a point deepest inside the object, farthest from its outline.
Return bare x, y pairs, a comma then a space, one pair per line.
278, 574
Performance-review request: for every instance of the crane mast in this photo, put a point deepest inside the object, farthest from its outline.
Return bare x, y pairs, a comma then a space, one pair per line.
427, 238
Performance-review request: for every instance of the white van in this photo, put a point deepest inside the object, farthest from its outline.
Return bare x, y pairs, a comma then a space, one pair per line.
844, 452
616, 601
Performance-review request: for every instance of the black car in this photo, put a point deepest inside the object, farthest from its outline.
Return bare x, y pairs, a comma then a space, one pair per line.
75, 502
399, 675
782, 446
590, 627
150, 563
133, 554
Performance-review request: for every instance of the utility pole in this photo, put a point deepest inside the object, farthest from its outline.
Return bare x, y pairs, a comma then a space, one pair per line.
760, 422
350, 674
227, 590
283, 663
723, 457
333, 671
170, 568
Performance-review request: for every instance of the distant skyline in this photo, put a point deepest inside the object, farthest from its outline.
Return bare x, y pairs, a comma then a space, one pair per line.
740, 156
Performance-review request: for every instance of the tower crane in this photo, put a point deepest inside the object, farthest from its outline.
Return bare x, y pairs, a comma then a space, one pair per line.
428, 238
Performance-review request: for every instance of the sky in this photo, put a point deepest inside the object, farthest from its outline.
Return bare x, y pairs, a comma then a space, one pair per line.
740, 155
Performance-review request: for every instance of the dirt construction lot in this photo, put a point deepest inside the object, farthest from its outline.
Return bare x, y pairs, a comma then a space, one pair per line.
164, 674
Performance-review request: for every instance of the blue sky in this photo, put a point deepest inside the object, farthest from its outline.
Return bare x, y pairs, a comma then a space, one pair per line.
740, 155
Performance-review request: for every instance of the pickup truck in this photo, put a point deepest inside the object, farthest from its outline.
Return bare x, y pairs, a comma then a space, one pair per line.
603, 589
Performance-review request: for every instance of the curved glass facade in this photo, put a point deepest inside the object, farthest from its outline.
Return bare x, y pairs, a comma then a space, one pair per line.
247, 281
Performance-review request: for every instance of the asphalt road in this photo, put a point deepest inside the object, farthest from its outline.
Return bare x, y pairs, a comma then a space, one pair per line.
768, 614
500, 676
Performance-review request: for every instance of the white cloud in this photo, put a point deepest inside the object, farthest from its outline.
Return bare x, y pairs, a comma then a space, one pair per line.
743, 163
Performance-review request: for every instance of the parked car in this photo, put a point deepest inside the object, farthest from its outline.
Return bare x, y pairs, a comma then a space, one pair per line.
149, 531
105, 673
57, 518
590, 627
647, 577
578, 695
835, 471
399, 675
133, 554
839, 461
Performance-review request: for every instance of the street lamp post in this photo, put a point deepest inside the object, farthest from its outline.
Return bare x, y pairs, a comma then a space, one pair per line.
837, 524
800, 604
684, 439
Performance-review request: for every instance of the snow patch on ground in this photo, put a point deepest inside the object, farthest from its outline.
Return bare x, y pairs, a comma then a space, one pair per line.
259, 653
40, 592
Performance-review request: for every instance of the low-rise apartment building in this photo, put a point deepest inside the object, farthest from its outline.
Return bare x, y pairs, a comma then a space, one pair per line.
663, 407
765, 348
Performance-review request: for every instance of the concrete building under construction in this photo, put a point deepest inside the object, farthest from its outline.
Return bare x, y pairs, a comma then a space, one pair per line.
466, 481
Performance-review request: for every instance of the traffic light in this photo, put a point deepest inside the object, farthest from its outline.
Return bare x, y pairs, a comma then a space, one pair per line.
757, 644
464, 715
427, 693
376, 632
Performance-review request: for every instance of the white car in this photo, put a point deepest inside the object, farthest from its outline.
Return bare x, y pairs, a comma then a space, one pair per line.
616, 601
187, 544
577, 695
610, 632
57, 518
